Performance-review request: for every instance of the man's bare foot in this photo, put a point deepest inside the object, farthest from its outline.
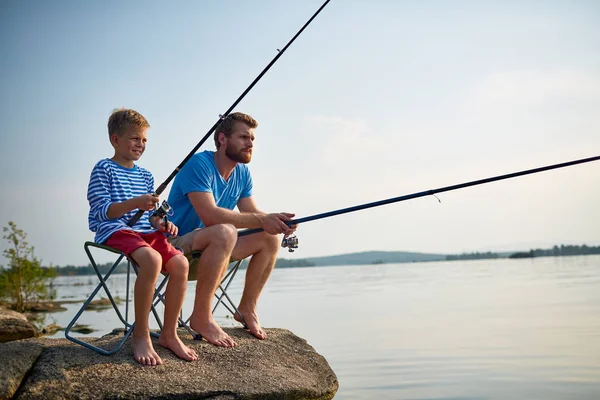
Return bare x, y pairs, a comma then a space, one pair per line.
143, 352
251, 321
175, 344
212, 332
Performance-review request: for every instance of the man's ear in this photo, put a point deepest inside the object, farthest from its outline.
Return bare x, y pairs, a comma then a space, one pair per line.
221, 138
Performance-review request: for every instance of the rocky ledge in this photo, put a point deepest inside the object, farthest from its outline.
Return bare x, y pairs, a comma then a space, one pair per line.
282, 367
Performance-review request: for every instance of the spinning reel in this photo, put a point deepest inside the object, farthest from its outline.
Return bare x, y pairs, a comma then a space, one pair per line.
290, 242
162, 211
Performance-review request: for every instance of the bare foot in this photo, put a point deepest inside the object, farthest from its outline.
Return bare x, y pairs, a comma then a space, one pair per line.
212, 332
251, 322
143, 352
175, 344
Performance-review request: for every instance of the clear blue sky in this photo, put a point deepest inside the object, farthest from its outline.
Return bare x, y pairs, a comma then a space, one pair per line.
374, 100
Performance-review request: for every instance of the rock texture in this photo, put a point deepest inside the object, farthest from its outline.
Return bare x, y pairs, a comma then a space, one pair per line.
14, 326
282, 367
17, 360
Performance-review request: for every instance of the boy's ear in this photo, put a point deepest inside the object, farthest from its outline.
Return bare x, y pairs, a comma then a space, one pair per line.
114, 139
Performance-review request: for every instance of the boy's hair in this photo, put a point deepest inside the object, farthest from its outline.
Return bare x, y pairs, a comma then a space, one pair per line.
122, 119
227, 124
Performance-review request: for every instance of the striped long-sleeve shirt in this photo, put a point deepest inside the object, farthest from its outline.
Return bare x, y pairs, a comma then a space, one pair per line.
111, 183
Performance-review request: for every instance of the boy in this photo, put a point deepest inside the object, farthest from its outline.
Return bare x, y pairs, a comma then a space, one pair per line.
117, 189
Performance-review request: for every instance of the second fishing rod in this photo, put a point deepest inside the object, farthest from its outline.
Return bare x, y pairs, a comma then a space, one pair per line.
162, 211
294, 243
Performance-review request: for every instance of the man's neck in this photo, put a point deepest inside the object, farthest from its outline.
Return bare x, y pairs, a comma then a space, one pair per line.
224, 164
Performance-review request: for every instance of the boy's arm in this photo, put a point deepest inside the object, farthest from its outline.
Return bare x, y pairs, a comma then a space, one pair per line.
102, 207
144, 202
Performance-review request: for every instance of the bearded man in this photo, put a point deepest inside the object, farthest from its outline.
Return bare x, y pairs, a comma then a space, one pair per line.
205, 192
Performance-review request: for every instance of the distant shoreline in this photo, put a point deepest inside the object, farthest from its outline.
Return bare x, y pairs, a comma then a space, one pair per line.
378, 257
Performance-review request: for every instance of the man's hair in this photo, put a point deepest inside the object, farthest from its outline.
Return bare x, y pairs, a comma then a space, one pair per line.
122, 119
227, 124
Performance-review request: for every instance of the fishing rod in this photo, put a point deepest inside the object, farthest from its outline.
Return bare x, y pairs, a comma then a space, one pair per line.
294, 242
164, 208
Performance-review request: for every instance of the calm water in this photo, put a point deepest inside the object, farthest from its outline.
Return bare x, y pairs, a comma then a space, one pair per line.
490, 329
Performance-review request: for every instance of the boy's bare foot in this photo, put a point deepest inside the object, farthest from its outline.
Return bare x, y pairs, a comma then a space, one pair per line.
175, 344
143, 352
212, 332
252, 323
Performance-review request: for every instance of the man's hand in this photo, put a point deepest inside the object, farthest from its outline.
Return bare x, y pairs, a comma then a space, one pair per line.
146, 202
274, 223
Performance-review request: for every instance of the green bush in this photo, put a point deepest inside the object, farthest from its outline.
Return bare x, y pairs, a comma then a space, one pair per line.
23, 280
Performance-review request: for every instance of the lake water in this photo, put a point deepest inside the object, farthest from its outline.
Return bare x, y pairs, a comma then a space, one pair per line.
485, 329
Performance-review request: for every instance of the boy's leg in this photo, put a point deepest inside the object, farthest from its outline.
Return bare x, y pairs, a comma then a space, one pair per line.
150, 262
177, 266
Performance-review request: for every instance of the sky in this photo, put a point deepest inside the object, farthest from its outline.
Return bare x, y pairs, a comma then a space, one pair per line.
374, 100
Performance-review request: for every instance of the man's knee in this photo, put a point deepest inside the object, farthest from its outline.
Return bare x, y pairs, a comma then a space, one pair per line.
272, 243
222, 235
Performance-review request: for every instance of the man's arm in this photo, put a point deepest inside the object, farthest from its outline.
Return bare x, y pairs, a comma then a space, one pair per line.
248, 217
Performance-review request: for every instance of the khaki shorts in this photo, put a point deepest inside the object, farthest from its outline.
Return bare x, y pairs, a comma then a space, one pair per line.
184, 243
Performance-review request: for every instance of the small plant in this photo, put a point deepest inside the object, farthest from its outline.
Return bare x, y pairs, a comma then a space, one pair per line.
23, 280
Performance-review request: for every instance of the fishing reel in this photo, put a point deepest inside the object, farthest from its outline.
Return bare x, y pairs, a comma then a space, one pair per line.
162, 211
290, 242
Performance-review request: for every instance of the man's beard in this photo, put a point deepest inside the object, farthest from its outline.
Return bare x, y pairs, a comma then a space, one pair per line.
238, 156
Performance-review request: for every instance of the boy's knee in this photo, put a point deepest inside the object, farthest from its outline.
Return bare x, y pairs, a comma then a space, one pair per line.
178, 267
147, 257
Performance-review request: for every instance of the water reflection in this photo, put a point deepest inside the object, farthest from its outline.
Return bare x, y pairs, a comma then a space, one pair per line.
490, 329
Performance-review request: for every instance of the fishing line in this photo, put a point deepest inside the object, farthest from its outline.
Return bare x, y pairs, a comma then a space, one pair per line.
164, 208
421, 194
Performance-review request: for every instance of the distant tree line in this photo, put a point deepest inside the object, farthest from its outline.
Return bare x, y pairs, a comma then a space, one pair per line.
559, 251
472, 256
556, 251
73, 270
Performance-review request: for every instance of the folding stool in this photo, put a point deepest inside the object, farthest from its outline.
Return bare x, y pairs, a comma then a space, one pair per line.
128, 327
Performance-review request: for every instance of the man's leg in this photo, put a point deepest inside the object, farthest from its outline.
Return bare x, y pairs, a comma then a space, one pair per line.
216, 243
263, 248
177, 267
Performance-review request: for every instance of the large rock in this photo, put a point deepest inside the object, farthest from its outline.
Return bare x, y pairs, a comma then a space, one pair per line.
14, 326
283, 366
17, 360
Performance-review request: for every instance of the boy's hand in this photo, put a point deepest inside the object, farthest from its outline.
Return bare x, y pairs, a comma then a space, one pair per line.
170, 228
146, 202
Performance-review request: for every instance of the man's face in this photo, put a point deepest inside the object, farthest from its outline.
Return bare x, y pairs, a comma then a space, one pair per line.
238, 146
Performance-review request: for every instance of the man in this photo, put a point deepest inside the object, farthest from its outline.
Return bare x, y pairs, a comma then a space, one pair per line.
203, 196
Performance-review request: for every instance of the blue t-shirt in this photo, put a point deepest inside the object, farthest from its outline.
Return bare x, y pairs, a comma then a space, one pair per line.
200, 174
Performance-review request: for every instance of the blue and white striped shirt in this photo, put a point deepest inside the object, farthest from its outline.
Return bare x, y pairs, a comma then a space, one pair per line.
111, 183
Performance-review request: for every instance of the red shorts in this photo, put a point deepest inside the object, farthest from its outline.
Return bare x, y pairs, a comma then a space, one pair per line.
127, 241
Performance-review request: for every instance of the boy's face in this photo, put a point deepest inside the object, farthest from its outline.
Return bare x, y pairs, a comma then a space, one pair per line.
131, 145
